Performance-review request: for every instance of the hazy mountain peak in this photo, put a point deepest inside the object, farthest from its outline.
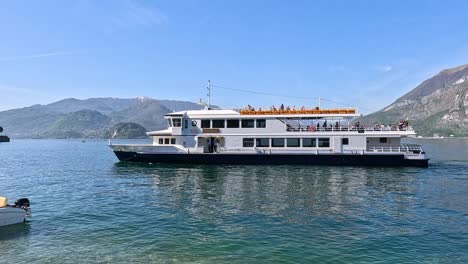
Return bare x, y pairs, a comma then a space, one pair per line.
443, 79
454, 69
437, 105
144, 98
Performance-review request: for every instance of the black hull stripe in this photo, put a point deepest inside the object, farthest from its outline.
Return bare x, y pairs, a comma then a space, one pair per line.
277, 159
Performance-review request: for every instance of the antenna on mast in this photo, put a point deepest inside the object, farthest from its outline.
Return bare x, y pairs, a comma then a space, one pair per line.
209, 94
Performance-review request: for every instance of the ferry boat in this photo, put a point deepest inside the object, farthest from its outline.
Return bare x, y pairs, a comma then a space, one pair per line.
301, 137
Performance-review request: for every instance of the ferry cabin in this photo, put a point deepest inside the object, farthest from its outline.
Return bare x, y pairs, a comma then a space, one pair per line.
217, 131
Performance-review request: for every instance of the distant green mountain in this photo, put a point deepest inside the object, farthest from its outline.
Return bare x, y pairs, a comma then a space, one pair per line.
147, 113
126, 130
83, 123
90, 118
439, 105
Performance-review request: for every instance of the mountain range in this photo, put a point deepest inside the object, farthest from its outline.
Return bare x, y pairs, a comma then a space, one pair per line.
438, 106
91, 118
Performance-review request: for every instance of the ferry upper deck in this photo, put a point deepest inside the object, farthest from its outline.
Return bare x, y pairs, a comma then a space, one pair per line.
303, 120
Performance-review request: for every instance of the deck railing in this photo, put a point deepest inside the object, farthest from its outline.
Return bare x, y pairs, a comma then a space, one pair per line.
346, 129
415, 148
299, 112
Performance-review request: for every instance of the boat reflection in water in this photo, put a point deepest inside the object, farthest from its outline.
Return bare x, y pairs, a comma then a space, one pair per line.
294, 212
292, 193
12, 232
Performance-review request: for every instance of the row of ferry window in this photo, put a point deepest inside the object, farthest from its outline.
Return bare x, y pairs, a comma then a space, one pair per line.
288, 142
166, 141
221, 123
232, 123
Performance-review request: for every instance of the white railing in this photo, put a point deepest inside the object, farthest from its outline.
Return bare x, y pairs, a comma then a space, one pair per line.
147, 148
401, 148
346, 129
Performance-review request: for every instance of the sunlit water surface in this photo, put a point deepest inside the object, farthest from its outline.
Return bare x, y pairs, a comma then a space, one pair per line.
87, 207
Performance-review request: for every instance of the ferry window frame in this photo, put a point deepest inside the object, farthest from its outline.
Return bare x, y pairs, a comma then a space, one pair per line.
275, 141
248, 142
344, 141
204, 124
177, 122
161, 141
218, 123
166, 141
260, 123
194, 123
232, 123
383, 140
313, 143
185, 123
323, 142
262, 142
169, 121
173, 141
291, 140
248, 123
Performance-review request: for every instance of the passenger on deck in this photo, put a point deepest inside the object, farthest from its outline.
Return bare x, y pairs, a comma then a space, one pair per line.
209, 145
400, 124
282, 107
288, 109
216, 145
336, 124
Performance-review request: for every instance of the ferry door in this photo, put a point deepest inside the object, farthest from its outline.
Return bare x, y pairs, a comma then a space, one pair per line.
207, 143
211, 144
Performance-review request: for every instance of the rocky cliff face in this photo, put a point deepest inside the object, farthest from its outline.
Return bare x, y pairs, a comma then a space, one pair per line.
439, 105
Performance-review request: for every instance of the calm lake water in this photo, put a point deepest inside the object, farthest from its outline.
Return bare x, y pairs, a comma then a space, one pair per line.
89, 208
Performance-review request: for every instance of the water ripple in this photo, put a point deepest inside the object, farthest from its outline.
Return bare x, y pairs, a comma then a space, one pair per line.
88, 208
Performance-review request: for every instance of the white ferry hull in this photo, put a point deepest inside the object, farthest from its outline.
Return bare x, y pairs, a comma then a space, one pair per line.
335, 159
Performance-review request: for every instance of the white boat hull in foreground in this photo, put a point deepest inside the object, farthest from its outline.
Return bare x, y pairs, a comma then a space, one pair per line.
14, 214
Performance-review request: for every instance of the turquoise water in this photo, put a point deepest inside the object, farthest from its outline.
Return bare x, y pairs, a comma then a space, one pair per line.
89, 208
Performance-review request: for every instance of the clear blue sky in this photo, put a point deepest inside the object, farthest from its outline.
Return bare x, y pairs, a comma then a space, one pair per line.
364, 53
